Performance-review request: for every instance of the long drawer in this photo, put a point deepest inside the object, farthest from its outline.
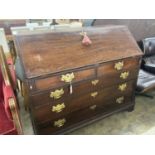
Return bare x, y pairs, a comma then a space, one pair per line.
81, 88
57, 109
61, 79
66, 121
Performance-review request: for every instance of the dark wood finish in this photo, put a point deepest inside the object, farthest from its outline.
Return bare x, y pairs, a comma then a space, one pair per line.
55, 81
46, 130
81, 88
45, 113
109, 43
46, 57
78, 116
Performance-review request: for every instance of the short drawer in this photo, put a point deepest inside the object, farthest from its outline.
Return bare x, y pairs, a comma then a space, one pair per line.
57, 109
118, 66
64, 78
70, 120
111, 78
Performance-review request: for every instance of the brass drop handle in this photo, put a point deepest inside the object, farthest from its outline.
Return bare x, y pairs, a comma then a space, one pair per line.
59, 123
94, 82
94, 94
68, 78
57, 93
93, 107
119, 65
122, 87
58, 108
120, 100
124, 75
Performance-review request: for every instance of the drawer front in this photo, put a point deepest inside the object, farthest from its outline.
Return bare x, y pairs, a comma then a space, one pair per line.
84, 87
54, 95
118, 66
57, 109
65, 121
111, 78
63, 79
109, 69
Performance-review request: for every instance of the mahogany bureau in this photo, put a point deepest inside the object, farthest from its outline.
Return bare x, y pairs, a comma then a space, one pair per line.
70, 84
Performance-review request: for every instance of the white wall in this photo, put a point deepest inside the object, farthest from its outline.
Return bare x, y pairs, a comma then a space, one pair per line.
3, 41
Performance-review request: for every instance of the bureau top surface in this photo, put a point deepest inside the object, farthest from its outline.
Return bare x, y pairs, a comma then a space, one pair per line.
51, 52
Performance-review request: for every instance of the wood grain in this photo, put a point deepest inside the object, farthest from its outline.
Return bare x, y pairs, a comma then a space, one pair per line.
64, 50
44, 113
47, 56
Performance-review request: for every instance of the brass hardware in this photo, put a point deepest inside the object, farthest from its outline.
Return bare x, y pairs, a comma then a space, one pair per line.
120, 100
122, 87
124, 75
94, 94
57, 93
94, 82
59, 123
68, 77
119, 65
93, 107
58, 108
